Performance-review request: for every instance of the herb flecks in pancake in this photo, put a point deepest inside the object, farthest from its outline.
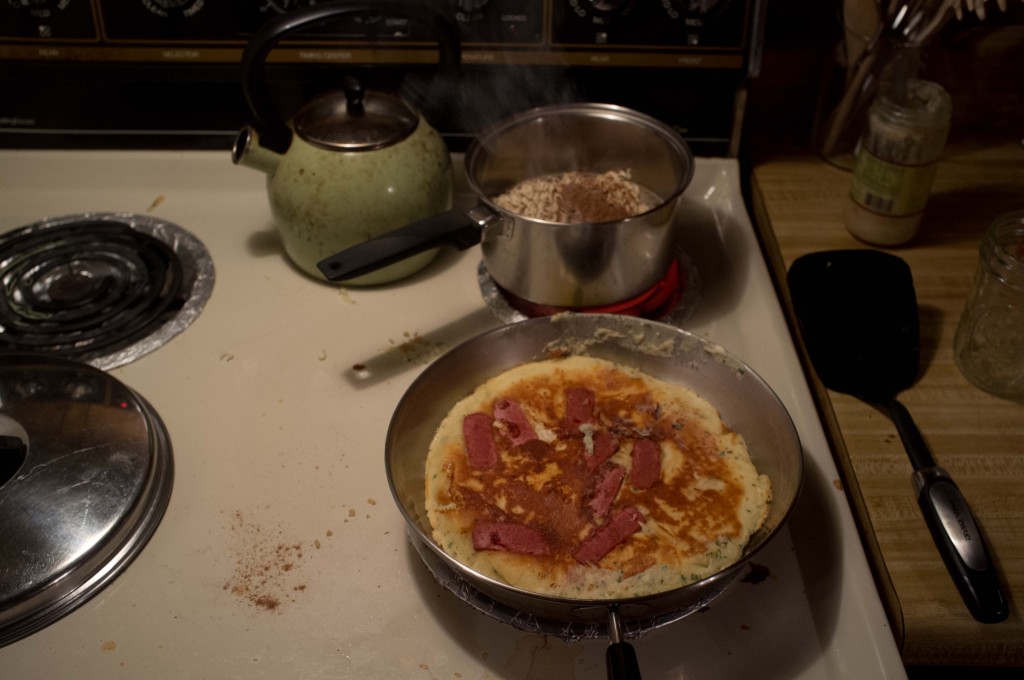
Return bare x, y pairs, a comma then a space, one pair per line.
582, 478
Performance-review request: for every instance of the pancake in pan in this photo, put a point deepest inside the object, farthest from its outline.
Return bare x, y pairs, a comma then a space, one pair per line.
582, 478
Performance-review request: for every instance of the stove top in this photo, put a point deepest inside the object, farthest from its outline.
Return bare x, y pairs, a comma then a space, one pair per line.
281, 553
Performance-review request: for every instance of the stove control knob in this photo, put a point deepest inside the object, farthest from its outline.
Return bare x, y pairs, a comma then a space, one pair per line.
167, 8
41, 9
607, 5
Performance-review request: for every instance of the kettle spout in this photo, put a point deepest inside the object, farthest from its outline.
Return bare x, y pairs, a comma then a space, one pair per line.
247, 151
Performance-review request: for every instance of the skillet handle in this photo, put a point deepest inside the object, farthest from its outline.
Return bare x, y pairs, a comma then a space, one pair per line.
622, 662
620, 656
453, 228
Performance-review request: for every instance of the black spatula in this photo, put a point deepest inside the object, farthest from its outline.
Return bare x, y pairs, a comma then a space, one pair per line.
857, 313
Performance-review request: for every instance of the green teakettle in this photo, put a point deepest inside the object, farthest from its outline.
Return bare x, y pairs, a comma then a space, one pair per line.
351, 164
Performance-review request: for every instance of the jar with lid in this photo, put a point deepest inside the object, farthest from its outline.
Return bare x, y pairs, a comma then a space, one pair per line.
906, 131
989, 342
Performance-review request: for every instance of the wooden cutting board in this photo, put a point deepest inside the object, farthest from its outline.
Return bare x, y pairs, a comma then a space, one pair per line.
797, 202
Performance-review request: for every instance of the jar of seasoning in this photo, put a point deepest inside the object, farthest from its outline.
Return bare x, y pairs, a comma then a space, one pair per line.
989, 342
904, 136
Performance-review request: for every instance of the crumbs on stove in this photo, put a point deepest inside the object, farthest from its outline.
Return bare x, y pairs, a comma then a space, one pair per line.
267, 566
415, 348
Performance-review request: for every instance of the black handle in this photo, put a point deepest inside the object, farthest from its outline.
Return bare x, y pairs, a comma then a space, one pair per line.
961, 545
620, 657
910, 435
451, 228
952, 525
622, 662
274, 132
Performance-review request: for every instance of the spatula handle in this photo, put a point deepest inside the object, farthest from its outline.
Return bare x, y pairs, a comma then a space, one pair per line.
960, 543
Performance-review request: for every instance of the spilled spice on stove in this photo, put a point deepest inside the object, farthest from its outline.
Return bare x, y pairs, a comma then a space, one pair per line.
415, 348
266, 565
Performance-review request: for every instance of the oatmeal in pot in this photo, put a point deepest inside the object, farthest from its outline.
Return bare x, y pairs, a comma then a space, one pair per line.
577, 197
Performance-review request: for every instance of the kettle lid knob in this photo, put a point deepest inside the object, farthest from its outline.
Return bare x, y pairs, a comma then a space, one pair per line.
354, 93
355, 119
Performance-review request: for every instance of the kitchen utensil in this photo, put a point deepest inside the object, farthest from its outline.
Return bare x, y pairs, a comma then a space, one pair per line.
744, 400
548, 263
351, 164
857, 313
891, 55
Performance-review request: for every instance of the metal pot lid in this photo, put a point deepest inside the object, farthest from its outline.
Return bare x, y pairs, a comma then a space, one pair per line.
85, 477
355, 120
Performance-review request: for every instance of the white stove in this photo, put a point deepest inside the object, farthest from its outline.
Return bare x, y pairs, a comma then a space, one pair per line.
281, 553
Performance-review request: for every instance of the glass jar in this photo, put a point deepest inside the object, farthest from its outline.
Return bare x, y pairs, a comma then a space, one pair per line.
989, 342
905, 134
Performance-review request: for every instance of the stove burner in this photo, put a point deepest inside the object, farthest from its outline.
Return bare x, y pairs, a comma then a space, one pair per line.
671, 299
653, 303
92, 287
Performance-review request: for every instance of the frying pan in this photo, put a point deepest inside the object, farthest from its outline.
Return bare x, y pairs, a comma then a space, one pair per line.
745, 402
857, 313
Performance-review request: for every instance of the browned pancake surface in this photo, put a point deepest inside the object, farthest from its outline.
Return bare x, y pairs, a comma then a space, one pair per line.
706, 501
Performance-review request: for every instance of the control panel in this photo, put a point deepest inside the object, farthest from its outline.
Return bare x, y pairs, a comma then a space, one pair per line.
168, 72
682, 33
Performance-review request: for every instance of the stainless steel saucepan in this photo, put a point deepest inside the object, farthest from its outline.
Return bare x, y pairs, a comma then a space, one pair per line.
746, 403
552, 263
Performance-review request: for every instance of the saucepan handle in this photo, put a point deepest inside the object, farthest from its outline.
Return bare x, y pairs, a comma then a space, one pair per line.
453, 228
620, 657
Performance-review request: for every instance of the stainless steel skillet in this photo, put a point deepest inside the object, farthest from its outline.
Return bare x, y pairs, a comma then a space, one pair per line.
747, 405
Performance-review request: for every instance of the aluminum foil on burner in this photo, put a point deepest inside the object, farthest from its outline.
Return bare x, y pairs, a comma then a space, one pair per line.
60, 279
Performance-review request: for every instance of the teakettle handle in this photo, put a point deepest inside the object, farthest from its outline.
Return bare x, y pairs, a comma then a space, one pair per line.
274, 132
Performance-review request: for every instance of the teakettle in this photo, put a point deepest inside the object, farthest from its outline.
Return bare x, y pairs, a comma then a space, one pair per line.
350, 165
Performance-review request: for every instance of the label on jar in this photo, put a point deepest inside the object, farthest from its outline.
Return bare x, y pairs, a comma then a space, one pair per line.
889, 188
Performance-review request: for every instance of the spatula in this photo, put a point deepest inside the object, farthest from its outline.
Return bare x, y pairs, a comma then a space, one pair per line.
857, 312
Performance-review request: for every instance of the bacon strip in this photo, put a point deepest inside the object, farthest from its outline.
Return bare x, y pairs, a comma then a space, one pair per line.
606, 485
518, 426
510, 537
579, 407
646, 470
620, 527
605, 446
477, 429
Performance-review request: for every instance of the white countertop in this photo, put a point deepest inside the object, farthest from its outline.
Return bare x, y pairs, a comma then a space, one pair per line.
282, 554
